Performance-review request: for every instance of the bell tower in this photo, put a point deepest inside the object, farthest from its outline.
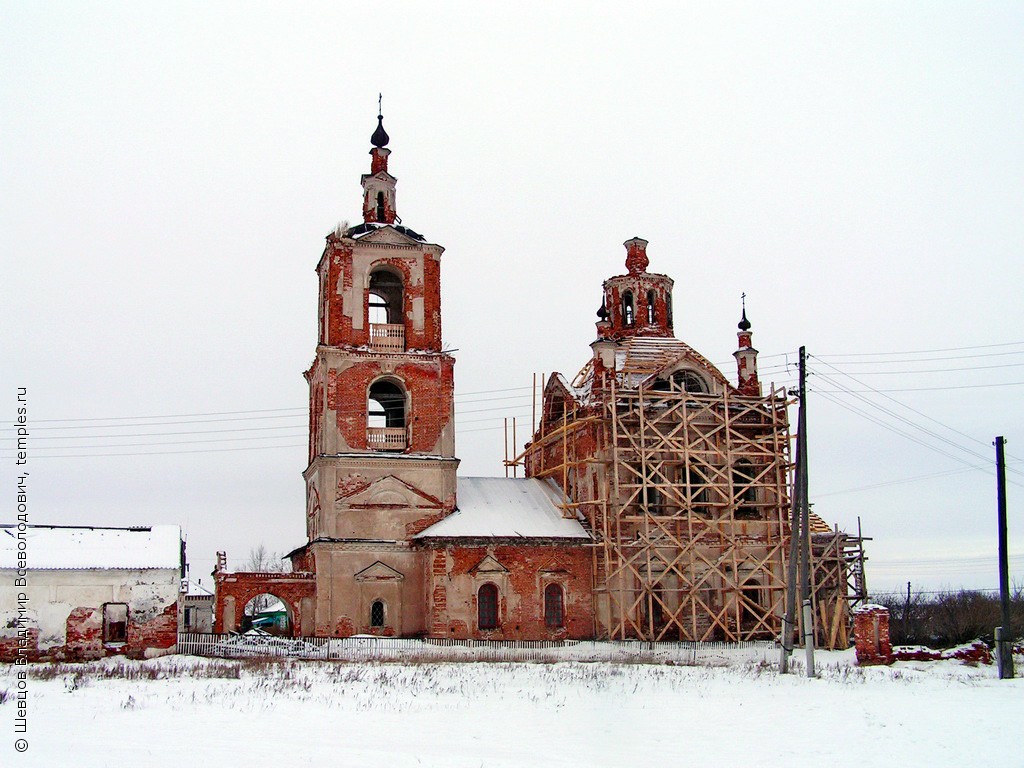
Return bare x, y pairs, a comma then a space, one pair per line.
381, 418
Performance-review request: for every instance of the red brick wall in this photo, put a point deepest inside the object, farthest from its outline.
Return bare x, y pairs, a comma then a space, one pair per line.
84, 640
290, 588
871, 635
10, 647
338, 261
430, 387
453, 587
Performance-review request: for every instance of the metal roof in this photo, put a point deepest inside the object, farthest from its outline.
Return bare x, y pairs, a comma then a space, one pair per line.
501, 507
57, 547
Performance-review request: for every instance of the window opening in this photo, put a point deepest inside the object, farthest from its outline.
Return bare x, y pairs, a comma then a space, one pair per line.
385, 297
650, 307
688, 381
487, 606
377, 613
554, 606
627, 308
750, 604
380, 206
115, 623
378, 307
386, 406
698, 491
744, 489
652, 499
668, 308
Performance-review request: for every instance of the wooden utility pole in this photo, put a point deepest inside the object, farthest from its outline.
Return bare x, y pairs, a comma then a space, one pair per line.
799, 543
805, 523
1004, 646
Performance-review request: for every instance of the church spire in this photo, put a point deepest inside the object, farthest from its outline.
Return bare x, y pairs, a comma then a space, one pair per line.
746, 356
378, 184
380, 137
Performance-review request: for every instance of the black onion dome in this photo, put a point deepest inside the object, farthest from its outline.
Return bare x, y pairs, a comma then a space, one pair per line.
602, 312
744, 324
380, 137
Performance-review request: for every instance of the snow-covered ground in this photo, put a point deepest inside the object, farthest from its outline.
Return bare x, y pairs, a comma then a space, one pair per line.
184, 711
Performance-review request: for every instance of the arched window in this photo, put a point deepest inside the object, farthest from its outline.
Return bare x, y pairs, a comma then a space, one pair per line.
650, 307
487, 606
385, 311
377, 613
668, 309
688, 381
554, 606
627, 308
380, 206
385, 297
682, 381
385, 416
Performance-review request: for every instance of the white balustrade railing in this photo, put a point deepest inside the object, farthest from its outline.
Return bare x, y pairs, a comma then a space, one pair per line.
387, 438
387, 337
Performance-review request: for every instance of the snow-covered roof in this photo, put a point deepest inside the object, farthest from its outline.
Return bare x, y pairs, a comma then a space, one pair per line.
193, 588
638, 358
507, 507
79, 547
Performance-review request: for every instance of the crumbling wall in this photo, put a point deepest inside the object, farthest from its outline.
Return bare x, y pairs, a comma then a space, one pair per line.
64, 616
871, 635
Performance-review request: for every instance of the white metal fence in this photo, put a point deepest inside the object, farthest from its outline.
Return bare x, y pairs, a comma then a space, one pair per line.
261, 645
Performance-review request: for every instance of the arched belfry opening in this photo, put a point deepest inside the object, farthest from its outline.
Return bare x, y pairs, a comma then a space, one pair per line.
384, 301
386, 416
381, 215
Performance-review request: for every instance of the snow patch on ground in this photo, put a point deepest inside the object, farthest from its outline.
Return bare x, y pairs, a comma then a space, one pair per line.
167, 711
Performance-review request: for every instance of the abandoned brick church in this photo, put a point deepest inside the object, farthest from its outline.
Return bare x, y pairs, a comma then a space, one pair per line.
656, 499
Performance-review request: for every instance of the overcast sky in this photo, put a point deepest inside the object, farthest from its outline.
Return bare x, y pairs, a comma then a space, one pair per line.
169, 172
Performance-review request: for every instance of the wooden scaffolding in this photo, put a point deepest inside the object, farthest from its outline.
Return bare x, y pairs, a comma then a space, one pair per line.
687, 495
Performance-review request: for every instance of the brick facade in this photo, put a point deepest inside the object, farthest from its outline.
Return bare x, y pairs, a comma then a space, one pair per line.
521, 572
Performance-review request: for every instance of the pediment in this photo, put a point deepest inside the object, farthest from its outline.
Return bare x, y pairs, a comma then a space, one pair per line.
387, 235
390, 492
489, 565
693, 362
558, 387
553, 567
381, 176
379, 572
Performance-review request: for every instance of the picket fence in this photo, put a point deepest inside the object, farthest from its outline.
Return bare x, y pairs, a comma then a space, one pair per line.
360, 649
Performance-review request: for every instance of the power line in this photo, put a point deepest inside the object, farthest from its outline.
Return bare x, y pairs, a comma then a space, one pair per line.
925, 351
912, 410
923, 359
933, 370
937, 389
902, 481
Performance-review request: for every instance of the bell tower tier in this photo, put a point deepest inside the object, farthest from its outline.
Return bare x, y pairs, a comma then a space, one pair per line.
381, 418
